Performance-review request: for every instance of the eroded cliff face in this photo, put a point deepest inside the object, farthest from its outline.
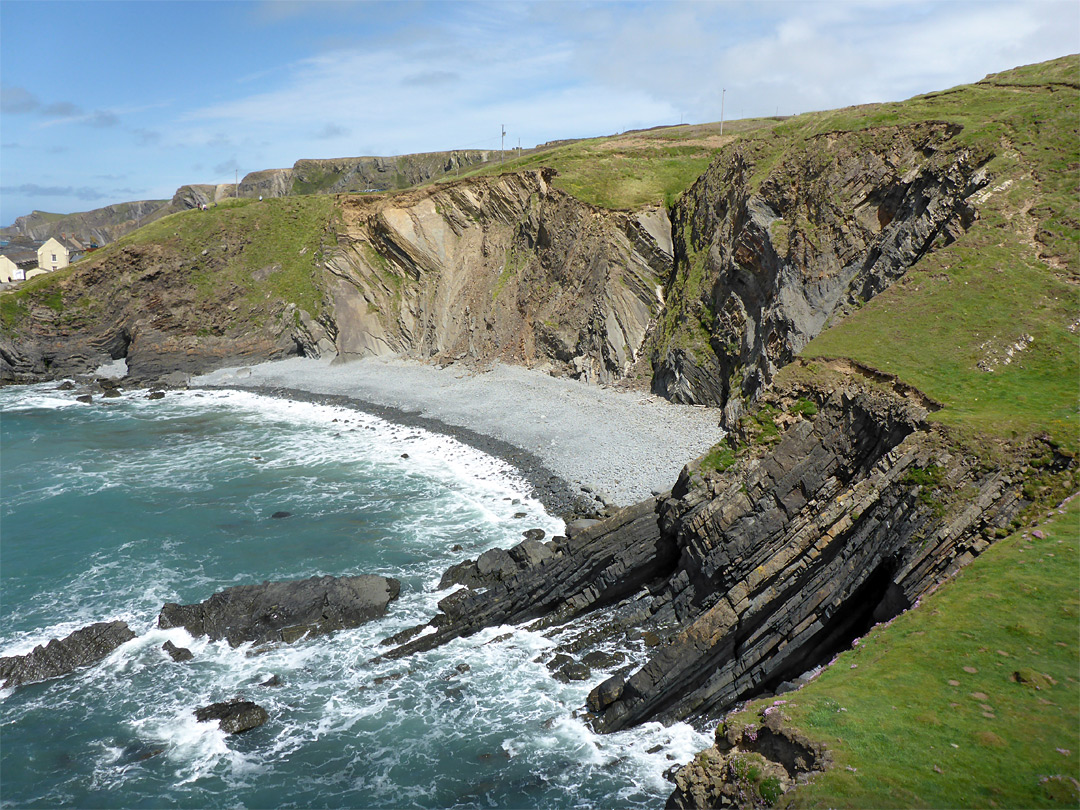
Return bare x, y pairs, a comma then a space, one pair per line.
506, 268
142, 304
768, 249
100, 226
840, 508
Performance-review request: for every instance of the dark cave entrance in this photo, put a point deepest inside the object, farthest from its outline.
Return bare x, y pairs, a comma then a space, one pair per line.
878, 599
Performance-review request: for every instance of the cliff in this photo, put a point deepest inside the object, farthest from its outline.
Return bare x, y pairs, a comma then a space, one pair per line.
502, 268
775, 240
100, 226
505, 268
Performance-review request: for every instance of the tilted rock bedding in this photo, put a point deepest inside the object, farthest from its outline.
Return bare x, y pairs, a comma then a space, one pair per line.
752, 575
766, 255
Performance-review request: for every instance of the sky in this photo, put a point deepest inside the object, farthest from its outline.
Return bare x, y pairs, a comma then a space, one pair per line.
104, 101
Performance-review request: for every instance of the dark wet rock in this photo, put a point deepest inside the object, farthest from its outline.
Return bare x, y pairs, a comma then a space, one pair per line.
495, 563
457, 547
380, 680
110, 393
573, 671
404, 455
156, 395
177, 654
606, 693
60, 656
280, 515
233, 716
598, 659
66, 385
140, 752
598, 566
403, 636
273, 680
534, 534
85, 398
284, 611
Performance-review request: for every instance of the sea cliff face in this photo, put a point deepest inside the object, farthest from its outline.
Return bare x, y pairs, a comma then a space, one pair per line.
505, 268
772, 242
837, 508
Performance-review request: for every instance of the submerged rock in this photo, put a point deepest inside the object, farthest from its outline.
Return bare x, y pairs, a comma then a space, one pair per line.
60, 656
284, 611
233, 716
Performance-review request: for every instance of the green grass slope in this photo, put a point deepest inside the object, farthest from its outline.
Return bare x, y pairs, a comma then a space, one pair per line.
989, 324
971, 700
634, 169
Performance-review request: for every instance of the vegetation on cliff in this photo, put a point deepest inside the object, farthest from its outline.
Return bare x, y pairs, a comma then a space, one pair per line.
921, 255
970, 701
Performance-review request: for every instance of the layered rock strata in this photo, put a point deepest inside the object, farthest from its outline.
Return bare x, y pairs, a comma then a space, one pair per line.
506, 268
752, 575
768, 250
284, 611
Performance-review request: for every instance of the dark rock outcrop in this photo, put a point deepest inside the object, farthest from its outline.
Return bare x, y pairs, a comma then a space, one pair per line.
60, 656
233, 716
178, 654
597, 567
743, 579
761, 265
284, 611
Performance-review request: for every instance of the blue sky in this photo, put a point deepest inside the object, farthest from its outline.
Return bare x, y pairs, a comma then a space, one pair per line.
106, 101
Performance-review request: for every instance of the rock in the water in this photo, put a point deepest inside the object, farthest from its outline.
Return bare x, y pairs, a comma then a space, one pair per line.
60, 656
233, 716
156, 395
284, 611
177, 654
280, 515
84, 398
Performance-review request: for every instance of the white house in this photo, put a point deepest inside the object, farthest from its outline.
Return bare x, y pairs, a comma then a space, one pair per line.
58, 252
9, 271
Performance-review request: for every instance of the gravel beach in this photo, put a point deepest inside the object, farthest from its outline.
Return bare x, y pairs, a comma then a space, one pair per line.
623, 444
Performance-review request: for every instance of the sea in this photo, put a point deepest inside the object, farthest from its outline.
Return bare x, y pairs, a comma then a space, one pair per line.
109, 510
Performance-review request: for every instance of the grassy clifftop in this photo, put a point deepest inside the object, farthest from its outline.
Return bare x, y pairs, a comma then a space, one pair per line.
988, 325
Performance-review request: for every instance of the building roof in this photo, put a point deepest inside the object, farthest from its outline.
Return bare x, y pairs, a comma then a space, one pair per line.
20, 255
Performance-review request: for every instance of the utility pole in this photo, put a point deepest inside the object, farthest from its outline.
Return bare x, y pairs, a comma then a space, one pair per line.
723, 93
502, 144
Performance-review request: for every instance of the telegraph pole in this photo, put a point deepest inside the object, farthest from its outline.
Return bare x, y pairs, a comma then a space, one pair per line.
723, 93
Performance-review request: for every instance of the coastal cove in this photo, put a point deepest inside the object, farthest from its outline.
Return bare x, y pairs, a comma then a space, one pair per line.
145, 502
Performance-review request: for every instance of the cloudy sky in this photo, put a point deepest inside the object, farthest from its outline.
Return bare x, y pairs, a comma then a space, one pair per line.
109, 101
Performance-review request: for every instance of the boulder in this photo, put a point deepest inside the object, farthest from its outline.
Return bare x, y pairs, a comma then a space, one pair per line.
233, 716
60, 656
284, 611
178, 654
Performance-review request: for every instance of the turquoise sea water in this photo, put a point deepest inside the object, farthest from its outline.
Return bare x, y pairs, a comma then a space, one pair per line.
112, 509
